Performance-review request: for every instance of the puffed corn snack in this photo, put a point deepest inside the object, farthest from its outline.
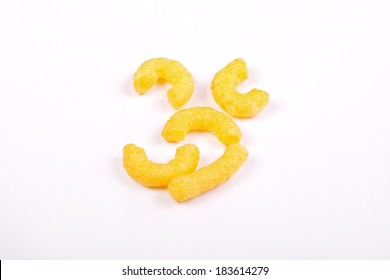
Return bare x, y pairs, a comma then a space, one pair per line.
179, 175
163, 69
201, 119
223, 88
184, 187
151, 174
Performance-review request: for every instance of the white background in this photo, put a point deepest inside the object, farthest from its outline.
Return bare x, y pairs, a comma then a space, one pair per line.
317, 181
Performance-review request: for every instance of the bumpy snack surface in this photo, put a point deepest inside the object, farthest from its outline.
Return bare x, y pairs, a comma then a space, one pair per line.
163, 69
223, 88
151, 174
184, 187
201, 119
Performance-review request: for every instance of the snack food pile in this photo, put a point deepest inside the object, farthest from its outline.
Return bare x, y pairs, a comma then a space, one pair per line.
179, 175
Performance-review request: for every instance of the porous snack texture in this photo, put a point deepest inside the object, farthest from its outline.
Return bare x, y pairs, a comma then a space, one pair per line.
184, 187
179, 175
201, 119
151, 174
163, 69
236, 104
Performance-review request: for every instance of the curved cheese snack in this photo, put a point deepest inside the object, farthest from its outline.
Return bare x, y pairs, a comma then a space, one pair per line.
201, 119
206, 178
153, 174
223, 88
163, 69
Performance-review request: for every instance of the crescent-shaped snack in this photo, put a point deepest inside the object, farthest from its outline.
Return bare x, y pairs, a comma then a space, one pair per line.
206, 178
151, 174
223, 88
201, 119
163, 69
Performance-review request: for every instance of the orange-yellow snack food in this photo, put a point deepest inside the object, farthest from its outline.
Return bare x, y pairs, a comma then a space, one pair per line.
163, 69
153, 174
201, 119
223, 88
184, 187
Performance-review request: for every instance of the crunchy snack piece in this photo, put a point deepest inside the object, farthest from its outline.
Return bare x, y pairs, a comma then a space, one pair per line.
184, 187
153, 174
163, 69
223, 88
201, 119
